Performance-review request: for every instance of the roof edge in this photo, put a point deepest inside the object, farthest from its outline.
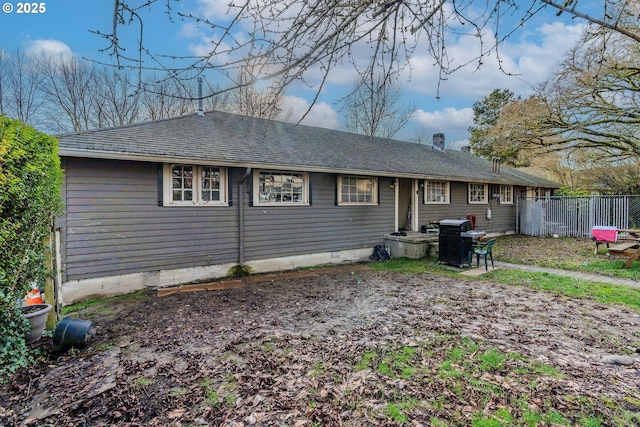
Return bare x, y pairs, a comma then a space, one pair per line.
113, 155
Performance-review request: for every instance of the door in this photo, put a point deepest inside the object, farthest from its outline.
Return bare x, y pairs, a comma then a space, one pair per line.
406, 205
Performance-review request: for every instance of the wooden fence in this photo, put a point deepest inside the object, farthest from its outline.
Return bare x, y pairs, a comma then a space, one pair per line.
575, 216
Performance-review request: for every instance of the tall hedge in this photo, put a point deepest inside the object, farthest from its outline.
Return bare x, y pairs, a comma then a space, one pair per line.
30, 180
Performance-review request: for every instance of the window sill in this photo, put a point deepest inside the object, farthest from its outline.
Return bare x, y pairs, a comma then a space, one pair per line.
272, 205
195, 205
358, 204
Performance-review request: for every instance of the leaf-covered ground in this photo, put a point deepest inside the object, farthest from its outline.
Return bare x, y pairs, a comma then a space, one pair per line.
349, 347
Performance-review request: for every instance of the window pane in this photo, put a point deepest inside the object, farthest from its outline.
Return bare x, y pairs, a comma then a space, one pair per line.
357, 189
281, 187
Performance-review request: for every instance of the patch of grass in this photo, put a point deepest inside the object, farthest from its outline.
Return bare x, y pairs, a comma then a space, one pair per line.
239, 270
105, 346
213, 398
602, 292
142, 382
394, 412
501, 417
367, 360
99, 301
448, 370
574, 254
492, 360
230, 400
317, 369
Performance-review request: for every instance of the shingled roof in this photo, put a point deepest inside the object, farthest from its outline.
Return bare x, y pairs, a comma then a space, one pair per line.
226, 139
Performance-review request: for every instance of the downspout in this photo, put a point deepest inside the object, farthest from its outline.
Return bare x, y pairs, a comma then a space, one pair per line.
241, 216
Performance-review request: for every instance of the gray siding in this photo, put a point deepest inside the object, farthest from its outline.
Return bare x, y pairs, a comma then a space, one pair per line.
115, 226
321, 227
503, 217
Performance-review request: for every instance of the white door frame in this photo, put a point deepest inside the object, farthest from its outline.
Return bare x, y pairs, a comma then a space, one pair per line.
415, 200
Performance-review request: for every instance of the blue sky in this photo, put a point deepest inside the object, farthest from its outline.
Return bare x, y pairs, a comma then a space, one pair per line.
530, 53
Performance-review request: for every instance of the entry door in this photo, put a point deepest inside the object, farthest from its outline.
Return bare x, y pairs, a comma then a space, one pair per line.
405, 203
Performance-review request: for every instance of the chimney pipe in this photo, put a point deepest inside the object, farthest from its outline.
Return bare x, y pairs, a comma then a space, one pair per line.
496, 161
200, 109
438, 141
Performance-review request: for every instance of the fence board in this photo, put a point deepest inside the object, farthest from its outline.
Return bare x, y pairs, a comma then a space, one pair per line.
576, 216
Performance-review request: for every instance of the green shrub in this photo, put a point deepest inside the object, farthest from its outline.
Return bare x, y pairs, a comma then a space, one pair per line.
30, 179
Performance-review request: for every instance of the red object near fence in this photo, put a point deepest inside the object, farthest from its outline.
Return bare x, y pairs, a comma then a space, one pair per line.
604, 234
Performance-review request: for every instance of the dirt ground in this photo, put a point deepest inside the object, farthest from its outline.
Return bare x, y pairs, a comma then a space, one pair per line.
310, 351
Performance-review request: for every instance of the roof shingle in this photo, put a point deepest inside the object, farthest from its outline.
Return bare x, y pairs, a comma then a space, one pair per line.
230, 139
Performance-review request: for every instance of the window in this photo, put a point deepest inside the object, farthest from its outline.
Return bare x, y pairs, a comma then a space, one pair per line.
189, 185
477, 193
506, 194
280, 188
357, 190
436, 192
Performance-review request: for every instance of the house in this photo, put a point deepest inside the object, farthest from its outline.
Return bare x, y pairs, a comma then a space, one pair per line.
184, 199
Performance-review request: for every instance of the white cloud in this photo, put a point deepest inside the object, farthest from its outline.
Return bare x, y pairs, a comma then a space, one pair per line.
214, 8
48, 47
321, 114
454, 123
521, 63
190, 30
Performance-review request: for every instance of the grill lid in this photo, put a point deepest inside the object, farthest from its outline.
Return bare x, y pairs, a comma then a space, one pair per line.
458, 224
455, 222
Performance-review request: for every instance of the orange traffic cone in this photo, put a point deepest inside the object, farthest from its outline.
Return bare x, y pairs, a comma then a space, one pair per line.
34, 297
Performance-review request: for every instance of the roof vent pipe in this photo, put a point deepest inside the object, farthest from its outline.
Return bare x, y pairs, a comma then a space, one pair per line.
438, 141
496, 161
200, 109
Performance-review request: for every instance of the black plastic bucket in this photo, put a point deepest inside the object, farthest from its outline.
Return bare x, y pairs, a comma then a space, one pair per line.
72, 332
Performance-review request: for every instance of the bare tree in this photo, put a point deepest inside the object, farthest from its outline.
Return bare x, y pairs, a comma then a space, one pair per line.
375, 107
252, 96
116, 101
593, 99
163, 98
69, 86
21, 88
305, 40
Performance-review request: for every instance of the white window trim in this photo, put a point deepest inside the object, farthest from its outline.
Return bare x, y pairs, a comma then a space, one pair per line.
374, 198
256, 189
475, 202
447, 190
167, 194
503, 201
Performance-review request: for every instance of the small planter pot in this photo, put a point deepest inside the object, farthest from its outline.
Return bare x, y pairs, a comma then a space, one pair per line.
72, 332
37, 317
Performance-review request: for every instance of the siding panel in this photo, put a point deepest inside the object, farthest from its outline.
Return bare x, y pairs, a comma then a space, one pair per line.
502, 216
115, 226
321, 227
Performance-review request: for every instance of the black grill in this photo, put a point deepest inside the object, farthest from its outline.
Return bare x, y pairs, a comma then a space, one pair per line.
454, 244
